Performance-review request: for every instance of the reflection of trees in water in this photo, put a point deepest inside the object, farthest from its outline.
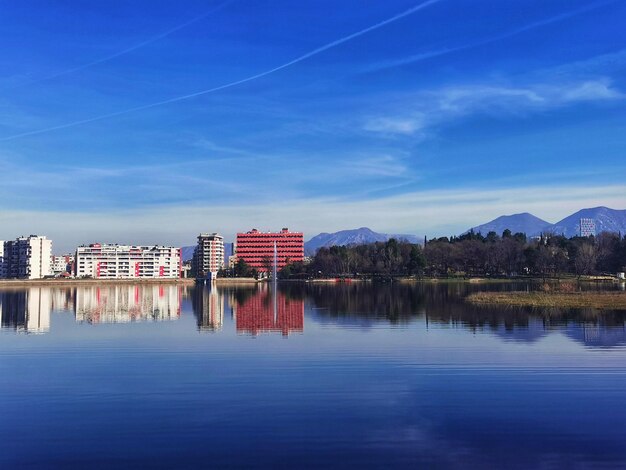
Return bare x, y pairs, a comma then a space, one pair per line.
397, 302
444, 304
394, 302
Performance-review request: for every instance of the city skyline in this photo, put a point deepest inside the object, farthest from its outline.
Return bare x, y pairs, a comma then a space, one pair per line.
363, 117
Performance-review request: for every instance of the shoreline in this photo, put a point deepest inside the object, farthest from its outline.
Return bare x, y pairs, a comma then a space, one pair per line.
9, 283
21, 283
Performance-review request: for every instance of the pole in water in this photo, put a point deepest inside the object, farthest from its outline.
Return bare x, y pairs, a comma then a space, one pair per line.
275, 267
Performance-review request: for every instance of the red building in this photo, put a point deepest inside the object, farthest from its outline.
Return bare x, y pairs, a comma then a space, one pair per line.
257, 248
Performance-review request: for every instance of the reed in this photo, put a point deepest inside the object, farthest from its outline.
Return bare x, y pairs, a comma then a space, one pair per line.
590, 299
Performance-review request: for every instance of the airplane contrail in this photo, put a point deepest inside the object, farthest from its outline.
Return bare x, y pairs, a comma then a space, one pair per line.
129, 49
439, 52
250, 78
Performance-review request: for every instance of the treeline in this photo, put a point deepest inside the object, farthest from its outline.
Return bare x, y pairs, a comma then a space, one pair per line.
469, 255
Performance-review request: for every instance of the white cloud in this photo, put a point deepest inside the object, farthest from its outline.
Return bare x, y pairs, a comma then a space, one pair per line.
430, 108
591, 91
438, 212
390, 125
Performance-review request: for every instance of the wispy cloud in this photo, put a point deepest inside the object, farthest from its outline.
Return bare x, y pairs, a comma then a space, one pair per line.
390, 125
231, 84
430, 108
220, 180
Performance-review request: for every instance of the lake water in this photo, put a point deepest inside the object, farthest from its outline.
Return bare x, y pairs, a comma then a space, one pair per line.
317, 376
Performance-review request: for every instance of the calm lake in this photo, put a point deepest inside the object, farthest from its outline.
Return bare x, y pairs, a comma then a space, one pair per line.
309, 376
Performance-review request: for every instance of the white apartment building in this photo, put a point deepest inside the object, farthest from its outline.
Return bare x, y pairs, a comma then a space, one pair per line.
127, 261
26, 258
208, 257
587, 227
3, 264
61, 264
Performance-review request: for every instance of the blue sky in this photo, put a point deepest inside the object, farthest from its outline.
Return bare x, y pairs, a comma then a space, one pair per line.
415, 117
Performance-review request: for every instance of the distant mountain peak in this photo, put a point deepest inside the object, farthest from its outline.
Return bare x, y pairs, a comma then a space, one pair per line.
605, 218
357, 236
524, 222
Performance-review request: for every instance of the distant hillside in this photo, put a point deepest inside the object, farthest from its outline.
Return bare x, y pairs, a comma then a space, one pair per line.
525, 223
187, 252
357, 236
607, 220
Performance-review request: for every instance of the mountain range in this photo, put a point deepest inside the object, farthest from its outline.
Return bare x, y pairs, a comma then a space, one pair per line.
358, 236
606, 220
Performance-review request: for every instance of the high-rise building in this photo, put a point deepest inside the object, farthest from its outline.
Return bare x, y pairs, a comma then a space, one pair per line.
208, 256
26, 258
587, 227
257, 248
127, 261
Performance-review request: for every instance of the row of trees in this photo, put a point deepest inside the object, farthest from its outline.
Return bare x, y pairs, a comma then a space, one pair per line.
471, 254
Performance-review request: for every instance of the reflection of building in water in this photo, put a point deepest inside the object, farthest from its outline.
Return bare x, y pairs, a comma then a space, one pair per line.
120, 304
26, 310
62, 299
265, 312
208, 307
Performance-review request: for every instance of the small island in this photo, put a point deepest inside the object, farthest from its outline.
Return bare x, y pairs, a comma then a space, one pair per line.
602, 300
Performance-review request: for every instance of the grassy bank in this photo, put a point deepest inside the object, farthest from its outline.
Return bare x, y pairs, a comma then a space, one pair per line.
598, 300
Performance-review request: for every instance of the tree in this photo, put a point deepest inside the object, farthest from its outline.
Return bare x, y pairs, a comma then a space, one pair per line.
242, 269
585, 261
268, 265
417, 261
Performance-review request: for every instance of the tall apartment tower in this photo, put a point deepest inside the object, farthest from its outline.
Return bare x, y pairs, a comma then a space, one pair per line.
587, 227
26, 258
208, 257
257, 248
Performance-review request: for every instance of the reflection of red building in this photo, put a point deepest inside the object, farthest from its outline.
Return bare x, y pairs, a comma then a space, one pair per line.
264, 312
257, 248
